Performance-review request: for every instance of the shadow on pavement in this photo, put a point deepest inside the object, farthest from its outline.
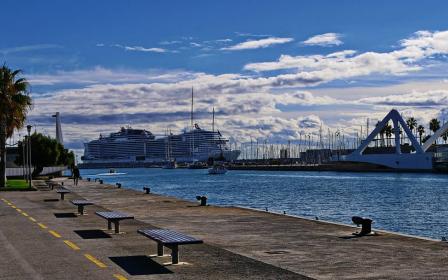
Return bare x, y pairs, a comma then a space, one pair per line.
51, 200
65, 215
140, 265
92, 234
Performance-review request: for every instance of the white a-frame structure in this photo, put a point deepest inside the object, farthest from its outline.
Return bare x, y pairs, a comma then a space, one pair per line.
419, 159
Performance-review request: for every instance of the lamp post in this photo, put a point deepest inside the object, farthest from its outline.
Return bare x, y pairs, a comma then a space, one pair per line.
28, 128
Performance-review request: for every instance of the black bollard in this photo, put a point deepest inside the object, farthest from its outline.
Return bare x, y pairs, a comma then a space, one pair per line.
366, 224
147, 190
202, 199
118, 185
62, 183
88, 179
101, 181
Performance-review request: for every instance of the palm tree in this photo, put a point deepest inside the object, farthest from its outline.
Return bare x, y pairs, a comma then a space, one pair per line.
421, 131
412, 124
14, 105
434, 125
388, 132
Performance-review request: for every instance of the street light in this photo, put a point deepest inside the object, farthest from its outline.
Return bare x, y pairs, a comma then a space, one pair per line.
28, 128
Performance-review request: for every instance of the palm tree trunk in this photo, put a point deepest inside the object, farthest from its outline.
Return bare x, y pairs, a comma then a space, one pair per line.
2, 154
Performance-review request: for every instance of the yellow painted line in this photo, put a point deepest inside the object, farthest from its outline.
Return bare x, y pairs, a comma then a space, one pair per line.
54, 233
120, 277
95, 261
25, 214
32, 219
42, 225
9, 203
4, 200
19, 210
13, 207
71, 245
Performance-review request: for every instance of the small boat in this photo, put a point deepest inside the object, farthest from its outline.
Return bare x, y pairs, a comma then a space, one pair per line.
112, 171
217, 169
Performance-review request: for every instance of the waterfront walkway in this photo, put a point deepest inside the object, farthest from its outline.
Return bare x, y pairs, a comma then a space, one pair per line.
49, 242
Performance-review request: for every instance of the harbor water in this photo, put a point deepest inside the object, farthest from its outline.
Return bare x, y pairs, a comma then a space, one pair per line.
409, 203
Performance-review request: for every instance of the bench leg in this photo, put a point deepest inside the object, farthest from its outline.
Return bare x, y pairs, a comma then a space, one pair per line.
80, 209
117, 226
62, 196
159, 249
109, 225
175, 254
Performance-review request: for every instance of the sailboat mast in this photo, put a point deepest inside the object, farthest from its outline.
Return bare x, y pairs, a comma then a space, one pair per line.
213, 120
191, 116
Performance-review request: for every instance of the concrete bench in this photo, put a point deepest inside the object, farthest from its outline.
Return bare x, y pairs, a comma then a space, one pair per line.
62, 192
170, 239
81, 203
114, 217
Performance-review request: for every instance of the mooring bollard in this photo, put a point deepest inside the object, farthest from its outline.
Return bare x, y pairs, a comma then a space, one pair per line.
118, 185
62, 183
202, 199
147, 190
366, 224
88, 179
101, 181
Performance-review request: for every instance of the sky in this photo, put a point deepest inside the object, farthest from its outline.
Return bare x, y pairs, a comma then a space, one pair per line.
273, 70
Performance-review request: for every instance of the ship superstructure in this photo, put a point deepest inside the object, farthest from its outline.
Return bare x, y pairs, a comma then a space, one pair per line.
137, 145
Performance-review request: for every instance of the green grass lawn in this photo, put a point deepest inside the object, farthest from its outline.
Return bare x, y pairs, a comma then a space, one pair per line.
16, 185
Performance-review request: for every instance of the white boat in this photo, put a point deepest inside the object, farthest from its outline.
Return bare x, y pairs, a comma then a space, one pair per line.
217, 169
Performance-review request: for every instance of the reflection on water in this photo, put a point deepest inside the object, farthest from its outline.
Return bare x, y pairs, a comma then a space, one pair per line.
409, 203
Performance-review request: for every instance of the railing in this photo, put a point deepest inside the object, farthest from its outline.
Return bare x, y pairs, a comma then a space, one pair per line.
19, 171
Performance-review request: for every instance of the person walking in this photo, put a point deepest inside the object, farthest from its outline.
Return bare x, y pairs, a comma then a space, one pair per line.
76, 175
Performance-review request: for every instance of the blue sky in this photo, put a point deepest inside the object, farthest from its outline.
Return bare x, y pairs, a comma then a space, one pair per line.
269, 67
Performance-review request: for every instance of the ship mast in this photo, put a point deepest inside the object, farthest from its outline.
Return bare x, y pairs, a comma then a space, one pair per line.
191, 114
213, 120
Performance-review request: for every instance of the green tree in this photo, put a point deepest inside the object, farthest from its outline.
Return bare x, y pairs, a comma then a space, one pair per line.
421, 131
14, 105
46, 151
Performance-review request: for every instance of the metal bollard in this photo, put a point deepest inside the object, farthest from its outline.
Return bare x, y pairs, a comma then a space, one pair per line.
147, 190
101, 181
118, 185
202, 199
366, 224
88, 179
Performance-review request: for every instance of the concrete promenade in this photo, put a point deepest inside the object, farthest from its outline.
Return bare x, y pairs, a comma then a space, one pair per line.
239, 243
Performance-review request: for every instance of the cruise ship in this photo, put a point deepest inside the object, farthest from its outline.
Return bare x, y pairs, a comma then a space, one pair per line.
130, 146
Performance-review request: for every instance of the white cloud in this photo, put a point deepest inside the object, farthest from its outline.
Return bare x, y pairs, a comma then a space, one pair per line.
256, 44
143, 49
327, 39
100, 75
432, 98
